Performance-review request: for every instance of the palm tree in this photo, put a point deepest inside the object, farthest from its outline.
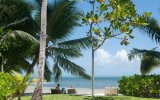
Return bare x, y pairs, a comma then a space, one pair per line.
22, 82
59, 48
62, 18
150, 59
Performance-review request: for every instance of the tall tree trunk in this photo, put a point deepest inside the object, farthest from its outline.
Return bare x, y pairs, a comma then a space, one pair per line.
92, 71
91, 34
37, 95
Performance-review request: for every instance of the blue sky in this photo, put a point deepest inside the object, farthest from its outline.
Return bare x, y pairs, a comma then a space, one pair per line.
111, 58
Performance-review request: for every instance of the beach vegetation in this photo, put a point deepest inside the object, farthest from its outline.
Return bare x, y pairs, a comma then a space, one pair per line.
140, 86
14, 85
22, 82
7, 86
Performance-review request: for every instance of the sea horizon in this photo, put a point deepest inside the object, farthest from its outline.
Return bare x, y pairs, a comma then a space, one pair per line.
77, 82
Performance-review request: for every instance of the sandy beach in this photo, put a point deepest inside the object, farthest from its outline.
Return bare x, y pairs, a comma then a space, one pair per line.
80, 91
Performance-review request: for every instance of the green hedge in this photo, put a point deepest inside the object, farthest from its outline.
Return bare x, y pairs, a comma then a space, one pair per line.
7, 86
140, 85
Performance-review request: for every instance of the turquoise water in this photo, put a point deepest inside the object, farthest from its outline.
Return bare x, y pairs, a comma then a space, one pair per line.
100, 82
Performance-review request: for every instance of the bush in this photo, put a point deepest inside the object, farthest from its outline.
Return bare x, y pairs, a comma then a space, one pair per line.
7, 86
140, 85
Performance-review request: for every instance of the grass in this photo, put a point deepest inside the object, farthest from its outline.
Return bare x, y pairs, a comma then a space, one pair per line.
68, 97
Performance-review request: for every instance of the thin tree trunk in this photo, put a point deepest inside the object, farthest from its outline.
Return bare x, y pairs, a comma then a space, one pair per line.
91, 26
92, 71
37, 95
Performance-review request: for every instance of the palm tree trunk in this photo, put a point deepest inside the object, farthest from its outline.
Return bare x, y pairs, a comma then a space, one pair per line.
37, 95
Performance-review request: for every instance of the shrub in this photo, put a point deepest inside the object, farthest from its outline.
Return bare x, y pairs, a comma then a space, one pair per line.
7, 86
140, 85
22, 82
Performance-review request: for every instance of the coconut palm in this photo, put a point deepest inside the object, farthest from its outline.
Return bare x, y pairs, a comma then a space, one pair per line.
149, 58
59, 48
62, 18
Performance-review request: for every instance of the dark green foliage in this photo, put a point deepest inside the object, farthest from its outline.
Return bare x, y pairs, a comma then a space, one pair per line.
140, 86
24, 15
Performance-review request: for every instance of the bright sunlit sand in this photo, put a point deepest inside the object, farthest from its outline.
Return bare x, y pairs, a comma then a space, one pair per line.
80, 91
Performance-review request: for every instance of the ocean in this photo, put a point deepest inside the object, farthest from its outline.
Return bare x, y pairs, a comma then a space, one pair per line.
100, 82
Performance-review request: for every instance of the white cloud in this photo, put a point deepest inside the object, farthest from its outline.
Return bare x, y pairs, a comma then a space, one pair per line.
102, 56
120, 58
122, 55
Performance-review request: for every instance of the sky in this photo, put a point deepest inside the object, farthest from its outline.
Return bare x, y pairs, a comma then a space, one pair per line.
111, 59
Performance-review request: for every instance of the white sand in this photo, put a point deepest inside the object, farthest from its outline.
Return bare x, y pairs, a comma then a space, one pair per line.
80, 91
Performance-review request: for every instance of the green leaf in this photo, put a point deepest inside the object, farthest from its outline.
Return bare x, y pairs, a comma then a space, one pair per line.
131, 36
147, 14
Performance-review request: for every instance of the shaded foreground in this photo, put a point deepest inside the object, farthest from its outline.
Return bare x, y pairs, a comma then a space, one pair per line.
68, 97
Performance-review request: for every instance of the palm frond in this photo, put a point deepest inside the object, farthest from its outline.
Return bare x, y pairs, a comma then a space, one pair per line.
18, 34
71, 67
17, 76
148, 63
23, 64
150, 59
15, 10
81, 43
57, 72
152, 29
47, 72
139, 53
66, 53
63, 16
24, 36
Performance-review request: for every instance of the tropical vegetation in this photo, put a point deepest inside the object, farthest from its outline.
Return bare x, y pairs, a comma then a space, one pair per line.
140, 86
14, 85
7, 86
59, 49
22, 82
